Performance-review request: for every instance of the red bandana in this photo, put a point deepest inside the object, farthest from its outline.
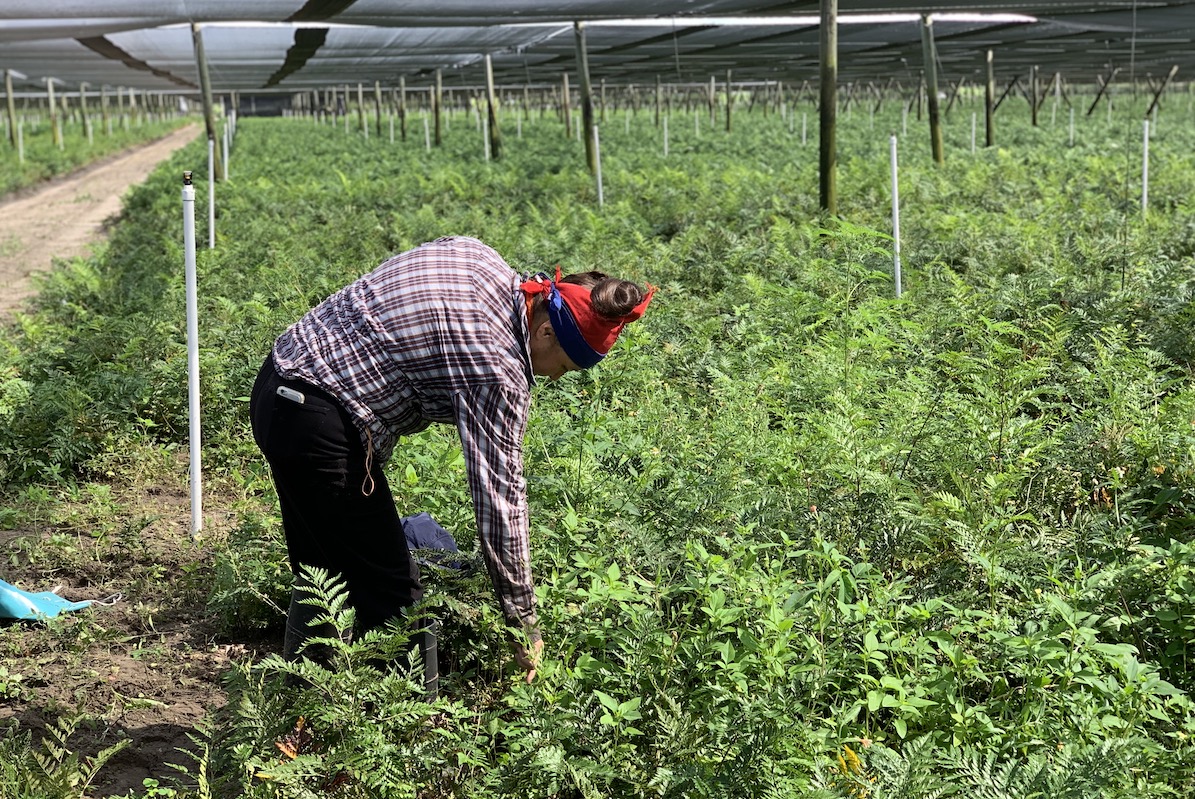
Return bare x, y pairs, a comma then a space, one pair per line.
585, 335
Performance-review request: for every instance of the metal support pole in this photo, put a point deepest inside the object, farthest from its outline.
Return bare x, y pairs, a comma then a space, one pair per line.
989, 104
895, 218
211, 194
192, 354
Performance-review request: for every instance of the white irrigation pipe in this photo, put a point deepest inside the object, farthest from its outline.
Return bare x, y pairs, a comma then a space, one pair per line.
211, 194
192, 354
597, 156
895, 218
1145, 170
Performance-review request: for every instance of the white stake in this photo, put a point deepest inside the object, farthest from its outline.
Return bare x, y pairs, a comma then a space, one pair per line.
21, 140
665, 137
192, 354
895, 218
391, 128
696, 123
226, 133
211, 194
597, 154
1145, 170
427, 136
485, 137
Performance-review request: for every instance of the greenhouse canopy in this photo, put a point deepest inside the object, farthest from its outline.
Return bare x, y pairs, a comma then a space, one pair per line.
291, 45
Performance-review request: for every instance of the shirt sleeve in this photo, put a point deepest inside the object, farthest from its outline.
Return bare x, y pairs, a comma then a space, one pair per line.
491, 420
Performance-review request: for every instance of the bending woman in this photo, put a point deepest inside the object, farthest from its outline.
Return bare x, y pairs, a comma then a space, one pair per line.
446, 332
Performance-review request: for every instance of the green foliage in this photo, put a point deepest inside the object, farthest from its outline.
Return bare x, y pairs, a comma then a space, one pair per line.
48, 769
790, 514
44, 159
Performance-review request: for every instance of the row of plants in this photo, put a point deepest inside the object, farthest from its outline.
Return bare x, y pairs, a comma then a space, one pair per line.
39, 157
795, 537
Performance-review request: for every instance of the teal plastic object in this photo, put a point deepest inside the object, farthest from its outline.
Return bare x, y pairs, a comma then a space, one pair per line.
18, 604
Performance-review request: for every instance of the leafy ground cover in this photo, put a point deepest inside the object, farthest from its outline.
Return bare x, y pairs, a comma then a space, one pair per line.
796, 537
44, 159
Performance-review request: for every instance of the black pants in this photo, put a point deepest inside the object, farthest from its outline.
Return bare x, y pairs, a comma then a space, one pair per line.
330, 515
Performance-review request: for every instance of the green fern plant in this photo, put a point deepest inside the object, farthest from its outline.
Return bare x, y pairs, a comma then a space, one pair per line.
49, 769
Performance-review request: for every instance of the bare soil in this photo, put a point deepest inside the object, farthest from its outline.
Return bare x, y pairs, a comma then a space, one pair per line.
64, 217
146, 669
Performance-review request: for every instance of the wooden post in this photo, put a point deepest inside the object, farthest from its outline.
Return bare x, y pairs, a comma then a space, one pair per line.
104, 111
83, 111
713, 101
1008, 90
377, 107
989, 104
437, 103
1104, 84
659, 101
12, 108
829, 103
491, 103
1162, 88
730, 94
205, 85
361, 108
586, 98
54, 130
402, 107
954, 93
565, 106
1033, 95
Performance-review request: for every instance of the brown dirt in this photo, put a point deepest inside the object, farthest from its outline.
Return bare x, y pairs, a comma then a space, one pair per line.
147, 669
64, 217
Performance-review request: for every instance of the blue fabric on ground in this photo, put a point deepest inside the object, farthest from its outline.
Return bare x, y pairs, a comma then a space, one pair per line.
424, 532
18, 604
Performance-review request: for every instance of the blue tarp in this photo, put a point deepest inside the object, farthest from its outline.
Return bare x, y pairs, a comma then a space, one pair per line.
18, 604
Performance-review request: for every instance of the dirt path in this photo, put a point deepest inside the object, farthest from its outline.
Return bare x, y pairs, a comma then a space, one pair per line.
62, 219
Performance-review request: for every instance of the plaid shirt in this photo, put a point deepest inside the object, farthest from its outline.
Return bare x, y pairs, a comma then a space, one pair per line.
437, 334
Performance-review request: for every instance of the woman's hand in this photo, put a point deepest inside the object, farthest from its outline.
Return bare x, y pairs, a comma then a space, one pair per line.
528, 659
